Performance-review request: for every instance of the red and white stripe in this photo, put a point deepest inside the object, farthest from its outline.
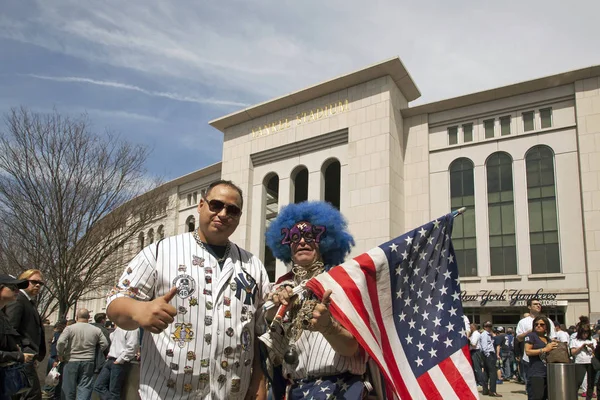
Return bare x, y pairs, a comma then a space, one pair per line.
361, 302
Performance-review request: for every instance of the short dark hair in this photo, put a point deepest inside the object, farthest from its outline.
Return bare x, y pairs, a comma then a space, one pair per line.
226, 183
488, 324
99, 317
529, 301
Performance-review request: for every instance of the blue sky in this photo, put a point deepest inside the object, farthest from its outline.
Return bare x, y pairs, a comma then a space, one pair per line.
157, 71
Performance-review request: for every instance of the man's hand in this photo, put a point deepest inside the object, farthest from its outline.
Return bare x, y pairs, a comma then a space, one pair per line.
321, 319
281, 296
156, 315
28, 357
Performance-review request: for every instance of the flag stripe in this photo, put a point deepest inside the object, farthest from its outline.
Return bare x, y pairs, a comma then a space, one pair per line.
464, 380
368, 264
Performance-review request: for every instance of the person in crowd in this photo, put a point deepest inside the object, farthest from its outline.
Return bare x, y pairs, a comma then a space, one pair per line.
12, 350
54, 391
123, 350
572, 329
582, 348
476, 355
498, 335
507, 354
525, 327
71, 322
490, 358
537, 344
561, 332
307, 344
77, 346
199, 298
100, 322
26, 319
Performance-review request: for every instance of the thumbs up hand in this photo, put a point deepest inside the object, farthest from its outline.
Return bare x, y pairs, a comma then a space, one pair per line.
156, 315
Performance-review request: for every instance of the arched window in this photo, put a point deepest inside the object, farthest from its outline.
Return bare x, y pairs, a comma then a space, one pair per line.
141, 241
190, 223
543, 221
151, 236
462, 194
300, 185
501, 215
160, 232
332, 182
271, 206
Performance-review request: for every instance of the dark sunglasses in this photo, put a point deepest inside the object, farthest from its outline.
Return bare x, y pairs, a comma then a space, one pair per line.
540, 324
217, 205
36, 282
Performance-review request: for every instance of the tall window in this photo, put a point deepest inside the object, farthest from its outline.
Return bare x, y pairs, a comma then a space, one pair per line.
271, 185
501, 215
546, 118
332, 182
488, 126
160, 232
505, 125
467, 133
300, 181
453, 135
190, 223
528, 124
141, 241
543, 221
151, 236
462, 194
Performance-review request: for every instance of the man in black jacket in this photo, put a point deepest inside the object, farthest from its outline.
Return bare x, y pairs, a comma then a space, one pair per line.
24, 317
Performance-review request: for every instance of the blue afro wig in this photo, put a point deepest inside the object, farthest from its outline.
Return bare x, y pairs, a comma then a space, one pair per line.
336, 242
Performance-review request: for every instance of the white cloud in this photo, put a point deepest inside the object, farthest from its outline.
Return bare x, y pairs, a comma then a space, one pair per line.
267, 49
118, 85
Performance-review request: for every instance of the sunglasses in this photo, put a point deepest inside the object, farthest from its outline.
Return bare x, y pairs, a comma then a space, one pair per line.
540, 324
36, 282
216, 206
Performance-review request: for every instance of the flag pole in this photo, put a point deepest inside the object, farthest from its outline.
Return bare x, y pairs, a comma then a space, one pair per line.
458, 212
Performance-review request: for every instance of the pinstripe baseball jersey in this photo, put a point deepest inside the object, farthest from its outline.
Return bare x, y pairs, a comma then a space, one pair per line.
207, 352
316, 357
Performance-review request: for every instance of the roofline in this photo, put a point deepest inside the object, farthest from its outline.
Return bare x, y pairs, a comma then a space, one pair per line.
515, 89
392, 67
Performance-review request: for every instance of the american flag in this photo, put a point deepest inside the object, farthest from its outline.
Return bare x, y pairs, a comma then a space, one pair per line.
401, 301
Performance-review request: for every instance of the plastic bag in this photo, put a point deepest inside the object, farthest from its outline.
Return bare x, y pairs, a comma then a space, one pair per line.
53, 377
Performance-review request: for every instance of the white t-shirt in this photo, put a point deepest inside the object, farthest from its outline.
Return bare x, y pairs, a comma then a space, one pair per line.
585, 355
525, 325
207, 352
563, 336
475, 342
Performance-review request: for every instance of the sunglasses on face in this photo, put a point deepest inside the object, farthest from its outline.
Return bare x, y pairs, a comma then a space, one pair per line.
216, 206
540, 324
36, 282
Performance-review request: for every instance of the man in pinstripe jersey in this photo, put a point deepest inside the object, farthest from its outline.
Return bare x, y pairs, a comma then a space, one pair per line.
198, 297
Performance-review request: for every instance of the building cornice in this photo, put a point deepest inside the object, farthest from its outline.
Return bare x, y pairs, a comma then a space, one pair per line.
392, 67
516, 89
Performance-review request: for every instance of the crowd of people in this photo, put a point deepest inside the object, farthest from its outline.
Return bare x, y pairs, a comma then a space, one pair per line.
197, 300
522, 356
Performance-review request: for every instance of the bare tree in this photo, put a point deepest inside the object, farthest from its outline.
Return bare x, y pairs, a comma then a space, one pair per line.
70, 200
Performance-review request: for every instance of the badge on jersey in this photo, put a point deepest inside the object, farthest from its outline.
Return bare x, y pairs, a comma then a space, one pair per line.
186, 285
235, 385
199, 261
183, 333
193, 301
245, 286
191, 355
246, 339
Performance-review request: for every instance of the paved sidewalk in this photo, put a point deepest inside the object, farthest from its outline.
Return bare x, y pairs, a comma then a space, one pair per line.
509, 391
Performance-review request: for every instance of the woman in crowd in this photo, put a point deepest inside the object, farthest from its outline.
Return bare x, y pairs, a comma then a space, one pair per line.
10, 341
537, 345
312, 351
582, 348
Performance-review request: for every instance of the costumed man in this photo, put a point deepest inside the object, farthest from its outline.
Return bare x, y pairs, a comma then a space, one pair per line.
313, 355
198, 297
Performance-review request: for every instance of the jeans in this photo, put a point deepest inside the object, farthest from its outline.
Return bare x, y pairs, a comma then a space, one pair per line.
78, 378
477, 357
507, 366
490, 372
580, 371
110, 379
539, 388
